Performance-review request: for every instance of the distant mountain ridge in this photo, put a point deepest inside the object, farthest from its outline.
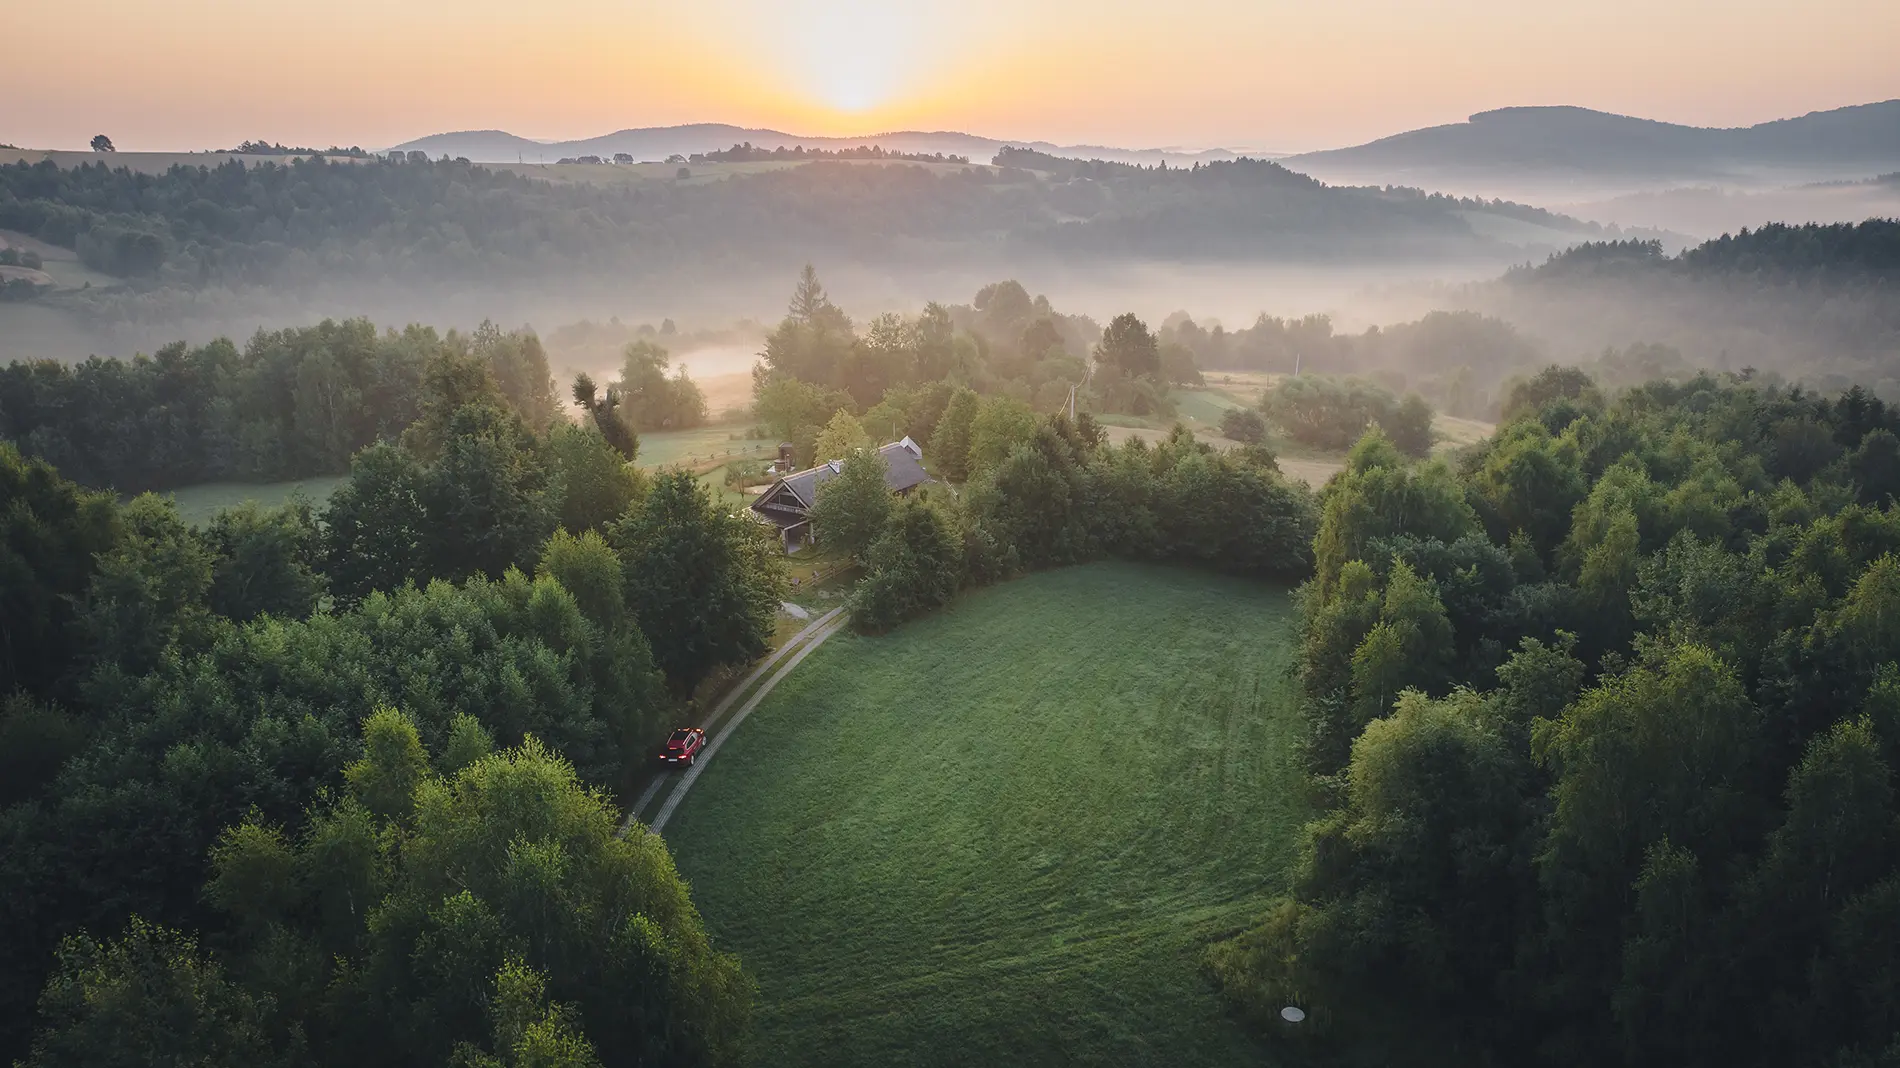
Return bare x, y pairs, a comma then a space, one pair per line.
659, 142
1546, 144
1852, 141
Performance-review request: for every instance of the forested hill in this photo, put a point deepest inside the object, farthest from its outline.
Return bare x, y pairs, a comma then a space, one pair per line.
1867, 251
1579, 143
1814, 302
450, 224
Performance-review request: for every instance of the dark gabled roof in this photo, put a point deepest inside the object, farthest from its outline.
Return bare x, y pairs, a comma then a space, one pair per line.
903, 470
903, 466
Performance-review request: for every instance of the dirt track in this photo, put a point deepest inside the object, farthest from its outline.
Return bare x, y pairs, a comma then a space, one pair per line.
804, 642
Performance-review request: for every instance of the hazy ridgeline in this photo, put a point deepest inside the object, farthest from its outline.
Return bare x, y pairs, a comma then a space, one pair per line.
207, 251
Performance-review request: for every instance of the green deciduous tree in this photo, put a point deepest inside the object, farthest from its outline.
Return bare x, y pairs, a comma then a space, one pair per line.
841, 436
603, 409
914, 567
1128, 347
854, 505
487, 498
585, 566
150, 592
151, 997
266, 561
650, 398
999, 426
375, 525
704, 585
51, 533
597, 483
506, 923
1243, 425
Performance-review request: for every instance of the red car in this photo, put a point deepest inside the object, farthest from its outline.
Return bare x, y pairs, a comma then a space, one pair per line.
684, 746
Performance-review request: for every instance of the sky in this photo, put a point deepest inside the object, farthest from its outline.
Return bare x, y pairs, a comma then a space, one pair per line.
1267, 75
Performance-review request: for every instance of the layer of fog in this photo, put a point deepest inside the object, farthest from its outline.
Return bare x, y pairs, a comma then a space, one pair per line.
1231, 294
1707, 211
720, 323
1701, 208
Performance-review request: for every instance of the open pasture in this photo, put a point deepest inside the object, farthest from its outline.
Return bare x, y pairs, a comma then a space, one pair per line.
1004, 834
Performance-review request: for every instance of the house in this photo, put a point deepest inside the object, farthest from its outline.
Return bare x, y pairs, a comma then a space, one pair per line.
787, 502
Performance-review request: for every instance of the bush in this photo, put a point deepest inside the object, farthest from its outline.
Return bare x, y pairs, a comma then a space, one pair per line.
913, 568
1331, 413
1243, 425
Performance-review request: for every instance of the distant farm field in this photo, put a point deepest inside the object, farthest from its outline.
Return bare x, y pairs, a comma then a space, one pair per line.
1004, 834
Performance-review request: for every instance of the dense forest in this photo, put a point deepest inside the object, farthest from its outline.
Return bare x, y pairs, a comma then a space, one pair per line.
1603, 729
312, 786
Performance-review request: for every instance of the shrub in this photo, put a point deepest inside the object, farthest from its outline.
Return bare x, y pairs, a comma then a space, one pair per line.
1243, 425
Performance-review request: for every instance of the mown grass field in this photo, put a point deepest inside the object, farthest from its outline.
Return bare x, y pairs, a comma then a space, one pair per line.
1004, 834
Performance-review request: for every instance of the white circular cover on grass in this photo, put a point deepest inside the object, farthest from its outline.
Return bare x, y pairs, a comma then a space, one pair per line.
1292, 1014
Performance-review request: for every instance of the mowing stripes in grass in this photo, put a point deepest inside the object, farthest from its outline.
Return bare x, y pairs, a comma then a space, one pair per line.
1004, 834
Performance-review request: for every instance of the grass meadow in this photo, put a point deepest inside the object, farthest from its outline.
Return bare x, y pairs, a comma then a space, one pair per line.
197, 504
1005, 833
700, 445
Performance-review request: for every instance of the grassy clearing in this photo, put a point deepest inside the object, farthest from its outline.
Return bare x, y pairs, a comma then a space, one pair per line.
1455, 433
1204, 405
1004, 834
699, 445
197, 504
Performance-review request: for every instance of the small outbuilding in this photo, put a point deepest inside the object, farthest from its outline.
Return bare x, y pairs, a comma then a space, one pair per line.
787, 502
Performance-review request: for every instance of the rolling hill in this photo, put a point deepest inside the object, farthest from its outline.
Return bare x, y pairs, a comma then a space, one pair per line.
1580, 145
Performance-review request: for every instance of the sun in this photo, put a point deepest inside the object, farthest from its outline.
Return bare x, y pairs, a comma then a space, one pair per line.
854, 56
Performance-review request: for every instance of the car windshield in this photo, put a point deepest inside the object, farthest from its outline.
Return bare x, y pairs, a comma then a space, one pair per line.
679, 738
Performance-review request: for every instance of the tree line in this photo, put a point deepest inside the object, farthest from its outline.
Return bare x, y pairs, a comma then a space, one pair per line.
897, 375
1601, 732
296, 403
322, 786
1048, 492
747, 153
1863, 250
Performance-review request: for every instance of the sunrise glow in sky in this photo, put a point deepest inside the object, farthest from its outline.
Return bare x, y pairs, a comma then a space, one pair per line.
1260, 74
